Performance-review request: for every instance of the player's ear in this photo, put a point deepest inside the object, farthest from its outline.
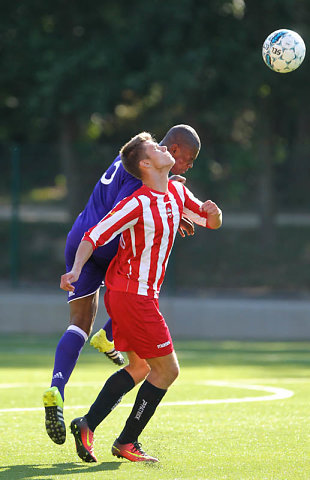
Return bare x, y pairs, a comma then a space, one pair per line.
145, 163
173, 149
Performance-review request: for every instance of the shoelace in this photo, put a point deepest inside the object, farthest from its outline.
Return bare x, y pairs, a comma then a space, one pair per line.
137, 447
112, 354
115, 356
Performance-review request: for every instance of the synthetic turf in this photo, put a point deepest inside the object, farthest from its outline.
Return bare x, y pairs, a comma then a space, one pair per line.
253, 440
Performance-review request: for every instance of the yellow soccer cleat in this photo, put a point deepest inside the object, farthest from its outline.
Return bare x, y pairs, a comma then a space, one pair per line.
54, 420
102, 344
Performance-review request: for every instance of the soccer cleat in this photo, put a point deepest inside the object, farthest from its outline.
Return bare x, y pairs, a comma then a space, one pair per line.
102, 344
131, 451
115, 356
54, 420
84, 439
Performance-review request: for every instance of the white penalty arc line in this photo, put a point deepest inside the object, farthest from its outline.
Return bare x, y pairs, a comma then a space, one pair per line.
276, 394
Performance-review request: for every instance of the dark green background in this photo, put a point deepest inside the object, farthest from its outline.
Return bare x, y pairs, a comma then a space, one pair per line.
78, 79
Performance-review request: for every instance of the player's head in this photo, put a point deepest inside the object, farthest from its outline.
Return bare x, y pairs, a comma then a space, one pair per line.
184, 145
142, 155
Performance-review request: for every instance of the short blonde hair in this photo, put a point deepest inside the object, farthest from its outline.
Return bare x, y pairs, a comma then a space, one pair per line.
133, 152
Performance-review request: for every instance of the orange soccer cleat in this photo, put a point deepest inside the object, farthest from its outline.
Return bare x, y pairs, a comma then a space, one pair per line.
131, 451
84, 439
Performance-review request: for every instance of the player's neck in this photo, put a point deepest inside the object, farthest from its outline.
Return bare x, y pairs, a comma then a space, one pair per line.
157, 181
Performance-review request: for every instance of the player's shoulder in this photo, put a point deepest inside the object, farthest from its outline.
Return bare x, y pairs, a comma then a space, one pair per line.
138, 197
131, 203
113, 172
140, 192
176, 185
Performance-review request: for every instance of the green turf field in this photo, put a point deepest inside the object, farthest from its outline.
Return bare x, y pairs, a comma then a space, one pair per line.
238, 411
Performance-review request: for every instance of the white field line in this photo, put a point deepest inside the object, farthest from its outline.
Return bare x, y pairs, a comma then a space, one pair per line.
276, 394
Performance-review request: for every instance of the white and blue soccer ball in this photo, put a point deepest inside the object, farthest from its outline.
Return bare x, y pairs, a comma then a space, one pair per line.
283, 50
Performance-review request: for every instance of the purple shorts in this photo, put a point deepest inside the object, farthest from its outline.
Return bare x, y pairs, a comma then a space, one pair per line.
92, 275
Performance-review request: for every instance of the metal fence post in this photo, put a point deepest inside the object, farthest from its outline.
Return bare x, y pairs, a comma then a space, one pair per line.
15, 220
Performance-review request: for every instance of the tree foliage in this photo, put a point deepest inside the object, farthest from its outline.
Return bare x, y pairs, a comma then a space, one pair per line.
77, 72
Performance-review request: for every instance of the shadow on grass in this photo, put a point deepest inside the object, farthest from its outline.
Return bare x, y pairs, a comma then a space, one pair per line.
24, 472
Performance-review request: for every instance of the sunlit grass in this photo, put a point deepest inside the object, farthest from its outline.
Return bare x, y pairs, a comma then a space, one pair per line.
236, 441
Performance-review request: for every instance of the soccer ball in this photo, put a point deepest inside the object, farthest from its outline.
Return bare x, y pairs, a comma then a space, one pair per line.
283, 51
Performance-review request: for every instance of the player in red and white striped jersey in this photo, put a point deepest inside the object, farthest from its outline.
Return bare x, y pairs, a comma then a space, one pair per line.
148, 221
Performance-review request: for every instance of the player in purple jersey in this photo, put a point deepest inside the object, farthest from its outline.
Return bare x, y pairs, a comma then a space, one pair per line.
183, 143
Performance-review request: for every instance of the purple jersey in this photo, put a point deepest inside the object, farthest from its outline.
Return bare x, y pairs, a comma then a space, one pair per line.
114, 185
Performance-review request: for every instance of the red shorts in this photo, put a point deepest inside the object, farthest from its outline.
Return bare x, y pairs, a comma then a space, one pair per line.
138, 325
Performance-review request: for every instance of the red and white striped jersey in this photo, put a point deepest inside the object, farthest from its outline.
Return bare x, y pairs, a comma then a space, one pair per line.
148, 221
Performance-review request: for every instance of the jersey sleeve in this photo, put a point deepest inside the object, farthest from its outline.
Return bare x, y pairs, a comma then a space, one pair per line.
192, 205
123, 216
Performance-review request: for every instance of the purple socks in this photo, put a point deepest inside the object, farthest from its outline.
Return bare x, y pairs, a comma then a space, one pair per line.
108, 330
66, 356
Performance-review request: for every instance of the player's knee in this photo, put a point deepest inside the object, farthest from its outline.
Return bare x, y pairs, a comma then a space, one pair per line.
165, 376
176, 371
84, 322
144, 371
173, 373
139, 370
83, 312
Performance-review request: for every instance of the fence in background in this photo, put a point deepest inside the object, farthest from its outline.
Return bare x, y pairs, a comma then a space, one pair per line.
35, 218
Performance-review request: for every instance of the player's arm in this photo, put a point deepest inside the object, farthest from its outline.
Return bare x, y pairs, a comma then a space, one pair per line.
83, 253
122, 217
214, 213
206, 214
186, 225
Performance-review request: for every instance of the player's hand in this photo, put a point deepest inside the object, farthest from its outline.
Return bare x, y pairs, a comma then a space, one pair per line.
186, 225
210, 208
67, 279
178, 178
214, 214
